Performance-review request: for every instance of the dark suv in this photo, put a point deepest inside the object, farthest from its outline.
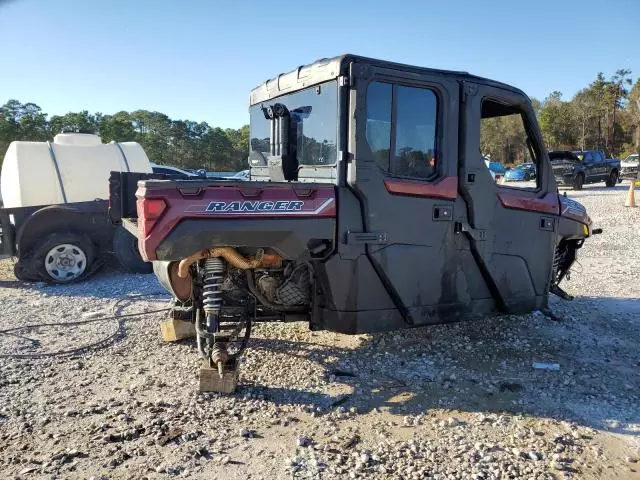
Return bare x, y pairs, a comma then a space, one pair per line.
585, 166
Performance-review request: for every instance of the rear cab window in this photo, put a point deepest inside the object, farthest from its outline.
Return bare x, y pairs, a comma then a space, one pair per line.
313, 112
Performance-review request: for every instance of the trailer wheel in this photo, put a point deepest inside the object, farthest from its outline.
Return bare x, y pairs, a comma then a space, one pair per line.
578, 182
24, 274
125, 247
63, 257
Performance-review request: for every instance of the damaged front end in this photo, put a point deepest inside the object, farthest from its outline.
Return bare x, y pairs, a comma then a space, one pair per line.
575, 226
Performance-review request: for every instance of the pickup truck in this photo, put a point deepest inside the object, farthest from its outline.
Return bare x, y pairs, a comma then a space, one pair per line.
629, 167
367, 209
577, 168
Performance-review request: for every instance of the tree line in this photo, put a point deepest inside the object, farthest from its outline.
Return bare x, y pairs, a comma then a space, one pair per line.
181, 143
603, 115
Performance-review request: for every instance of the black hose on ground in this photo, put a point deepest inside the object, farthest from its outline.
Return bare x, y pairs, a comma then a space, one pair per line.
99, 344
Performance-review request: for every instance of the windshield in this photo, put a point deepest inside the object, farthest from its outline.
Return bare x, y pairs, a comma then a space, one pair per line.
632, 158
315, 113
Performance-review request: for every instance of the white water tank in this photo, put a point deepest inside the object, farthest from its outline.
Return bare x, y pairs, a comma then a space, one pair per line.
74, 167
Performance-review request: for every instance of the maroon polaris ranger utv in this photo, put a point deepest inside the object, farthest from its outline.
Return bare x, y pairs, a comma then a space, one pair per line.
369, 208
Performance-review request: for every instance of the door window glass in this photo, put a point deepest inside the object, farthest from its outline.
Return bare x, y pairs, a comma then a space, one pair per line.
378, 130
401, 129
415, 145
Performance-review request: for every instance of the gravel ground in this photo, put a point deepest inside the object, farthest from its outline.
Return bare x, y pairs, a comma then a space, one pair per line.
445, 402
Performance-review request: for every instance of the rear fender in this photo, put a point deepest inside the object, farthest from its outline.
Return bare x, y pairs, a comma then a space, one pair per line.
88, 218
288, 218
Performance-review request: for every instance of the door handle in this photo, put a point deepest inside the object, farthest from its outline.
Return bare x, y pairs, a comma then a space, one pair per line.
442, 213
547, 224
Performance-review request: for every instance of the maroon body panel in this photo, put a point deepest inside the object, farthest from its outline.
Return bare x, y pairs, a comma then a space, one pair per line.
445, 188
546, 204
232, 201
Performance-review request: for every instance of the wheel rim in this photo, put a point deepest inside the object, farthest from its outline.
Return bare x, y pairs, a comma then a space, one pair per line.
65, 262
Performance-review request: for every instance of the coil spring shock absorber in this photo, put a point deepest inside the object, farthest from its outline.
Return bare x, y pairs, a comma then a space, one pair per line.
562, 259
211, 292
215, 352
558, 255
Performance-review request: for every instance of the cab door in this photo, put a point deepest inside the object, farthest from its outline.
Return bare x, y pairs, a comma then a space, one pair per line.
404, 173
599, 166
511, 227
592, 174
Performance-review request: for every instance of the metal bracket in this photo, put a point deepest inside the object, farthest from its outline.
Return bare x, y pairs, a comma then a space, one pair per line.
476, 234
343, 81
363, 238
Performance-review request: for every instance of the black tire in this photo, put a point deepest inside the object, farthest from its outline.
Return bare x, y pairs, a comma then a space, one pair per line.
23, 273
612, 180
578, 181
125, 248
83, 252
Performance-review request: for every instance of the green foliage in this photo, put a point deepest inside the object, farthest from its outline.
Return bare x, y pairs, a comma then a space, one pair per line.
604, 115
598, 116
21, 122
180, 143
556, 122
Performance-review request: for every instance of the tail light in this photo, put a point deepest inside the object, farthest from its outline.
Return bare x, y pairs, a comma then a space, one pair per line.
149, 212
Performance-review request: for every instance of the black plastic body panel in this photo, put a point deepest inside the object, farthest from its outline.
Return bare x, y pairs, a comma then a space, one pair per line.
288, 237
